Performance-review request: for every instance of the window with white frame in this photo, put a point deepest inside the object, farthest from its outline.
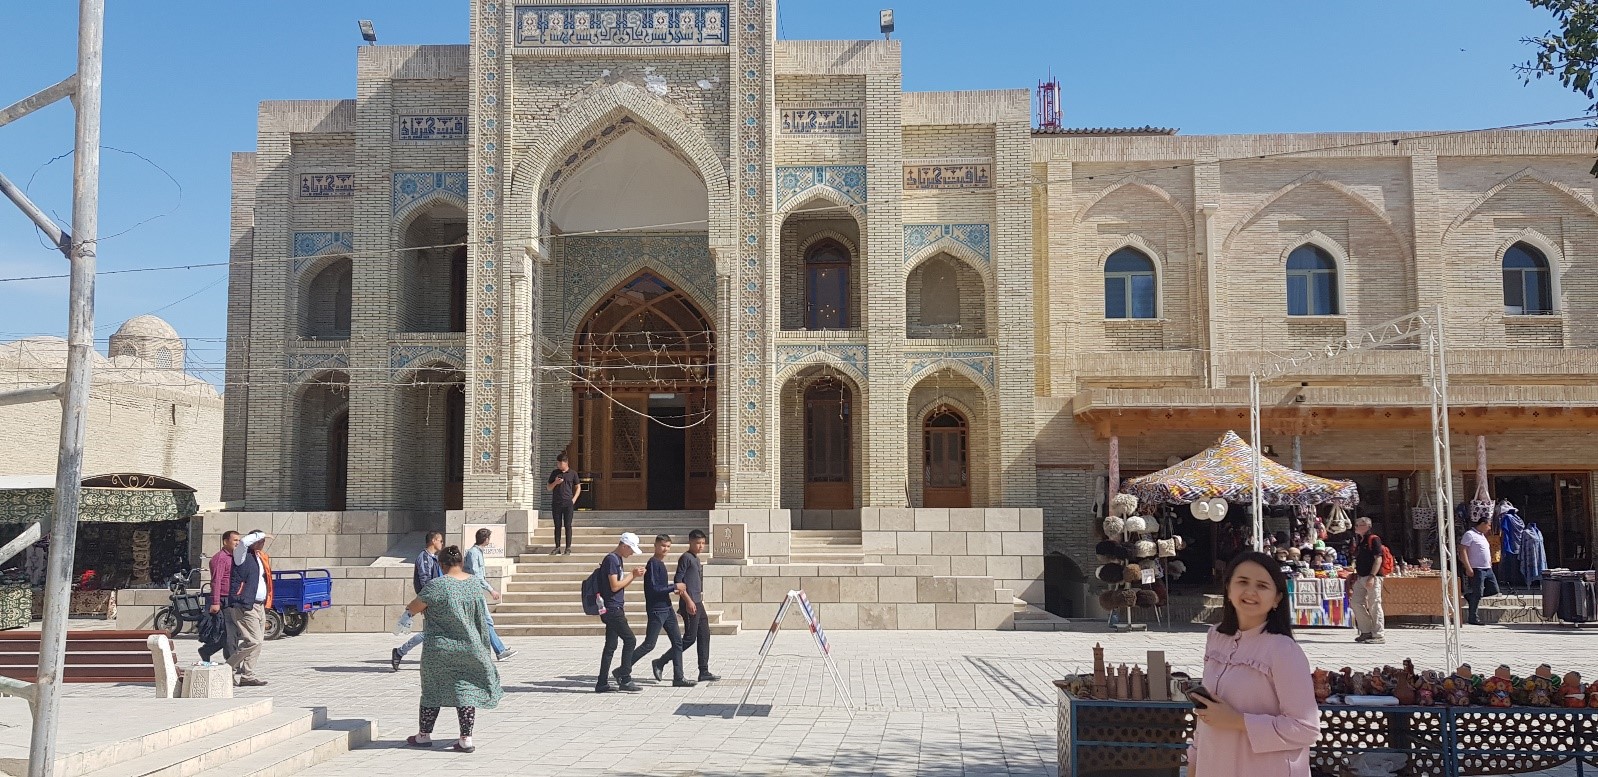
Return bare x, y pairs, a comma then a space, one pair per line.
1311, 282
1129, 288
1528, 284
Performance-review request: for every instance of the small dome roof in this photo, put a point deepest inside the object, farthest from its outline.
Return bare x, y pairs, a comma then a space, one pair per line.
147, 326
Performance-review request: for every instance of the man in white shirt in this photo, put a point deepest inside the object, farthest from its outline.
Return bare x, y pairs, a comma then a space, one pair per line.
248, 597
1476, 561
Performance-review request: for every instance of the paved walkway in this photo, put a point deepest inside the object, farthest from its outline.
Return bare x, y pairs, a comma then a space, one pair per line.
928, 703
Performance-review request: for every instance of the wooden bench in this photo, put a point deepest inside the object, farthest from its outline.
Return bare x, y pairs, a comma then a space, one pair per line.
92, 657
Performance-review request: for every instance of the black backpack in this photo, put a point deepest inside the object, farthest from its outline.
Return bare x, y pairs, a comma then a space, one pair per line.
591, 599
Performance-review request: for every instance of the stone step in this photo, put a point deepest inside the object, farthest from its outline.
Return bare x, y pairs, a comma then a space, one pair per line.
835, 558
593, 629
98, 733
231, 745
301, 753
573, 616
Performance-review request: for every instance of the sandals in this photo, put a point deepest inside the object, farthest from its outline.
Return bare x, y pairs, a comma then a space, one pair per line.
466, 749
414, 742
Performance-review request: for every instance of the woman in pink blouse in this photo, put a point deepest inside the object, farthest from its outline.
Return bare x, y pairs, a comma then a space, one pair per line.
1262, 717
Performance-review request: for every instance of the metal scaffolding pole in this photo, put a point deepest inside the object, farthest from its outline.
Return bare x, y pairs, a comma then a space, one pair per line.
80, 352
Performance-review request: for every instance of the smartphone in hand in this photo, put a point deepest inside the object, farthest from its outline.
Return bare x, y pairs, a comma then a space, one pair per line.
1200, 696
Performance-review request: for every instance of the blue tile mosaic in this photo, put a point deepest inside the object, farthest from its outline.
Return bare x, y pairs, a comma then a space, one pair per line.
305, 364
401, 357
856, 357
589, 262
980, 363
309, 245
411, 188
820, 121
938, 177
326, 185
431, 126
587, 26
976, 237
847, 180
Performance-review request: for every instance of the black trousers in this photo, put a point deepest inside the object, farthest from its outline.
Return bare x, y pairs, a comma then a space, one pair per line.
696, 632
617, 630
562, 515
663, 620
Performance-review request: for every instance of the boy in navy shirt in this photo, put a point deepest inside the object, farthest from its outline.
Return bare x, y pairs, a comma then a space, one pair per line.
616, 628
658, 589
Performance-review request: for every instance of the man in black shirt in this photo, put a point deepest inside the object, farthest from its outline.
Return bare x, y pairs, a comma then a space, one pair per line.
657, 600
696, 623
1366, 596
563, 488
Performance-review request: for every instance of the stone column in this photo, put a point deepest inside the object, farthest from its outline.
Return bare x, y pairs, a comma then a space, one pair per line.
885, 429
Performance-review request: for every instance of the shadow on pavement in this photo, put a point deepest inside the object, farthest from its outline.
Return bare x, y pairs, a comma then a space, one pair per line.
724, 710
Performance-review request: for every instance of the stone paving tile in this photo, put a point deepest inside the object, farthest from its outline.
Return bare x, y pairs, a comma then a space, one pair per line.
945, 704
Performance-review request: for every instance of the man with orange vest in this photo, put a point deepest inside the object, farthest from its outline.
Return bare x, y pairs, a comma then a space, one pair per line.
248, 598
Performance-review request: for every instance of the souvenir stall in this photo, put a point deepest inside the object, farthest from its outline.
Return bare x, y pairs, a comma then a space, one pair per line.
133, 532
1210, 482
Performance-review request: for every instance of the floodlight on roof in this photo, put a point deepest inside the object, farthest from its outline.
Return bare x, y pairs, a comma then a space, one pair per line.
368, 32
887, 22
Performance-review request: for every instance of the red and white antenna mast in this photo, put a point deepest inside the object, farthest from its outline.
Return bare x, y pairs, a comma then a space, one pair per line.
1049, 104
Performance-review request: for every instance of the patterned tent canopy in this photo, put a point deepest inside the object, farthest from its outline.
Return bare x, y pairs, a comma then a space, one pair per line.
100, 505
1226, 470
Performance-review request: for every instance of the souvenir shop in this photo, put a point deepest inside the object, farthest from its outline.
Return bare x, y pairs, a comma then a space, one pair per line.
133, 532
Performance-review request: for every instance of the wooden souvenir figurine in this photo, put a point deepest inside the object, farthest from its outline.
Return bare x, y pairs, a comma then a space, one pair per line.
1570, 691
1323, 686
1455, 689
1496, 689
1538, 689
1592, 695
1404, 690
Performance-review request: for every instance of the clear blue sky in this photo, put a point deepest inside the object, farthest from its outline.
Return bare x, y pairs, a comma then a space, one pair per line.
183, 77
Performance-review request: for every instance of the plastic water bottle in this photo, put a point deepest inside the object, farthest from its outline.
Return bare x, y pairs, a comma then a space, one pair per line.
601, 600
404, 625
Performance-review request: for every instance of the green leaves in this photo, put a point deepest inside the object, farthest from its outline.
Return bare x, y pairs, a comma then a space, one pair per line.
1571, 54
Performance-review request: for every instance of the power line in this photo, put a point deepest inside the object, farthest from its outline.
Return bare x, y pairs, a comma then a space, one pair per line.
865, 204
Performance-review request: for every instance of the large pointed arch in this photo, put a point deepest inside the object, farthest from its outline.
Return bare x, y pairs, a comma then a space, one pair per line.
1525, 174
1138, 182
552, 144
1320, 179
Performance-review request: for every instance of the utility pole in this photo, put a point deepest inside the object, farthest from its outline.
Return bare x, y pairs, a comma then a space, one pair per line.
80, 249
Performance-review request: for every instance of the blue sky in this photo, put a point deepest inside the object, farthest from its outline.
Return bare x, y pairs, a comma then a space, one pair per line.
182, 80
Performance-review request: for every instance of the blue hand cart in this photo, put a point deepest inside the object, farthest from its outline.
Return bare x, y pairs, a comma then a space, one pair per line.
296, 593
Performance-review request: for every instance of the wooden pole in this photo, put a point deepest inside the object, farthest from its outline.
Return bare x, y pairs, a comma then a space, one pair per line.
74, 412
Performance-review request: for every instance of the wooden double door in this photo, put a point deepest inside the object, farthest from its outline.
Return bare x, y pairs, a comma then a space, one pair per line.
645, 400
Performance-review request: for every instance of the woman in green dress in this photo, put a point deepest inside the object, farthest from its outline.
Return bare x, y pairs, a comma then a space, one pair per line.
457, 662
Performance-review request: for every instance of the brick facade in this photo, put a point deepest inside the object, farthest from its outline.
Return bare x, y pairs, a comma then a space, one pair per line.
977, 252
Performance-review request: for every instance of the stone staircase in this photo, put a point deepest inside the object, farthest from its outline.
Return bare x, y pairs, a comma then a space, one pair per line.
243, 738
542, 595
1029, 617
826, 546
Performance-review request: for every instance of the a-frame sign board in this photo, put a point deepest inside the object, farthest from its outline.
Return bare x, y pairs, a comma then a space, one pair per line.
821, 643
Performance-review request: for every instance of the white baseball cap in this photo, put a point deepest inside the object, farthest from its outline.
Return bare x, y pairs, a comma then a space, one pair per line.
631, 540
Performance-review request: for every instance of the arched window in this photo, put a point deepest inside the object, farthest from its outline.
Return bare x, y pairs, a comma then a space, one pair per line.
1311, 282
1129, 290
1528, 285
827, 286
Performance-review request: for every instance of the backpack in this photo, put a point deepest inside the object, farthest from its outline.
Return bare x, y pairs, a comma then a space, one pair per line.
1386, 567
591, 599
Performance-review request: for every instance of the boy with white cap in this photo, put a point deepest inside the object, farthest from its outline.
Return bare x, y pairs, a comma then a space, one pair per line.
614, 592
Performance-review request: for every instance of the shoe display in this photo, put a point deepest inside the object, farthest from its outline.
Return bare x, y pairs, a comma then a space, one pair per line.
683, 683
394, 658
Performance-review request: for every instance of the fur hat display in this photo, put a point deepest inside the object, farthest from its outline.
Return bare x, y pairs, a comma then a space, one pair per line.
1114, 527
1123, 505
1136, 525
1166, 548
1132, 573
1111, 573
1110, 548
1180, 542
1143, 549
1175, 568
1146, 597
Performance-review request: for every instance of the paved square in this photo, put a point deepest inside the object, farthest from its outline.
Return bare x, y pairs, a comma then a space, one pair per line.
929, 703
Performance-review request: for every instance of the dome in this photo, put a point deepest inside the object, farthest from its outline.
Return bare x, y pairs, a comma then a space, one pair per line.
147, 326
151, 339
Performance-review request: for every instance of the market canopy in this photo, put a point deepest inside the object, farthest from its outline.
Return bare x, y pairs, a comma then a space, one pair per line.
30, 499
1226, 470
